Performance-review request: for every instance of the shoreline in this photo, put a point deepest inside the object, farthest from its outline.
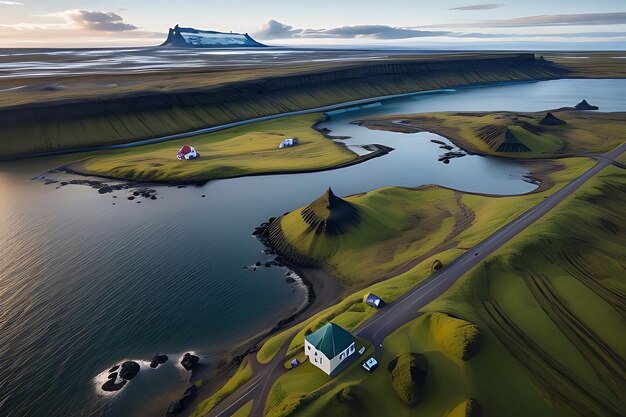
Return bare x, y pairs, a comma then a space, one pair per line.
376, 151
323, 291
537, 174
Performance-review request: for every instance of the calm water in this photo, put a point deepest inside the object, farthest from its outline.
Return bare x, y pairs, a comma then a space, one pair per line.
85, 284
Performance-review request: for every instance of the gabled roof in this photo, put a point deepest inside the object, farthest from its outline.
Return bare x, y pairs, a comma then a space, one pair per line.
331, 340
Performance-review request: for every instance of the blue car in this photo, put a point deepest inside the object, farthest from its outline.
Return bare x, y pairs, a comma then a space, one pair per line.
370, 364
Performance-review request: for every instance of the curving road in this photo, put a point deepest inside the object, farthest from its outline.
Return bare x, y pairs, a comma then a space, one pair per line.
407, 307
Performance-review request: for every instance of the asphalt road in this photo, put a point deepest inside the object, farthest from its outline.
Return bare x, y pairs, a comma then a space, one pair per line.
407, 307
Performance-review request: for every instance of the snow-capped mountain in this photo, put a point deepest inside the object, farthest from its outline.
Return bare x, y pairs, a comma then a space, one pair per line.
194, 38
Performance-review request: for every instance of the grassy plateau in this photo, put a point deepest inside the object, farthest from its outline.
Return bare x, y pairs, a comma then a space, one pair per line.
245, 150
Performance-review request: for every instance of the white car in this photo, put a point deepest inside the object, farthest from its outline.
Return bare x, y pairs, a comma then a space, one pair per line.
370, 364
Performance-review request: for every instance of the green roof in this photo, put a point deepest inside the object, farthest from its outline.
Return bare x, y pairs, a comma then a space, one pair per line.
331, 340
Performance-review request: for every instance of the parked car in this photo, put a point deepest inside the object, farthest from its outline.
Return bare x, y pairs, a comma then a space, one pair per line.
370, 364
362, 351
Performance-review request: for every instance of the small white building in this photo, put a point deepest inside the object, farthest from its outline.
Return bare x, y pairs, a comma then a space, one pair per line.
288, 142
329, 347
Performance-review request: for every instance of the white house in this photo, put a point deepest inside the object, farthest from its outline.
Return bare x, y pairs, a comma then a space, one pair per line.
288, 143
328, 347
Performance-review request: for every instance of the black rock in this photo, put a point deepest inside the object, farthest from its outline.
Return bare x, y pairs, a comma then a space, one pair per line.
153, 197
129, 370
179, 406
258, 263
111, 385
131, 198
115, 368
158, 360
203, 195
189, 361
114, 196
583, 105
113, 376
290, 280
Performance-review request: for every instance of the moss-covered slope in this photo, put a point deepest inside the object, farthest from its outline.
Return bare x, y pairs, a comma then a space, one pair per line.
42, 126
520, 135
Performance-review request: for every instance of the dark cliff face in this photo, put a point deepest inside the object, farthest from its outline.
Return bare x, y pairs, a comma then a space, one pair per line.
194, 38
518, 67
242, 100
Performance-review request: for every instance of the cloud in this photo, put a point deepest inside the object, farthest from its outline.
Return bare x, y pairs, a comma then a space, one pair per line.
277, 30
605, 35
95, 20
35, 26
582, 19
585, 19
486, 6
11, 3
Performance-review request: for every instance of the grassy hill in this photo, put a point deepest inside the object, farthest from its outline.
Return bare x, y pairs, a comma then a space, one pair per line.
364, 236
519, 135
549, 307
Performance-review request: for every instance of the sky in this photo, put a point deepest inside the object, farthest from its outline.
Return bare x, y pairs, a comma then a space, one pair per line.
501, 24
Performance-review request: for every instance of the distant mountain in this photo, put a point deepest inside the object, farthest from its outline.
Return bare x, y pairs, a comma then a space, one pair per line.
194, 38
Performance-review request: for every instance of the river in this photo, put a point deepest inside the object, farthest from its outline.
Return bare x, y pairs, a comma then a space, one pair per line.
86, 283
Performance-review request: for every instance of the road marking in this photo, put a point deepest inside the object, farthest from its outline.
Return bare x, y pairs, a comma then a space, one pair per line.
241, 397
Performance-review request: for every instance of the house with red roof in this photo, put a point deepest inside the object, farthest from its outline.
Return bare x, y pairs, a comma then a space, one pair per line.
187, 152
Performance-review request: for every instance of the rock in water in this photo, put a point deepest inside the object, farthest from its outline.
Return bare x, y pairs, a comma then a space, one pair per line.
129, 370
179, 406
583, 105
189, 361
158, 360
552, 120
111, 385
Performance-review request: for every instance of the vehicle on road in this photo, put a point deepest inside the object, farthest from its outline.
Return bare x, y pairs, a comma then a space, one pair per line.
362, 351
370, 364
